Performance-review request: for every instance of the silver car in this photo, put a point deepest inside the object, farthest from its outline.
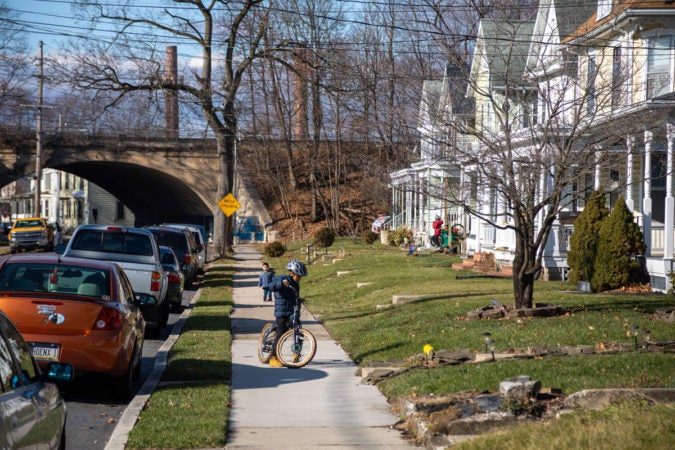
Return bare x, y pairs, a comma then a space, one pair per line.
33, 412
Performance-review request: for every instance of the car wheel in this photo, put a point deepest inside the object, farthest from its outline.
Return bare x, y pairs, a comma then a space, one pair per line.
123, 386
136, 373
165, 313
62, 442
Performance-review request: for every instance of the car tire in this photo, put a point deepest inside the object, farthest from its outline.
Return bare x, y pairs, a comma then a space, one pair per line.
165, 314
136, 372
123, 386
62, 442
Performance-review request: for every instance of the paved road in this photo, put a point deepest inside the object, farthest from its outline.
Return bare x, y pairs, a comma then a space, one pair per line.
320, 405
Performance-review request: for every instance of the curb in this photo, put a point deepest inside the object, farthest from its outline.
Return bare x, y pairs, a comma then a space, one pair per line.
120, 435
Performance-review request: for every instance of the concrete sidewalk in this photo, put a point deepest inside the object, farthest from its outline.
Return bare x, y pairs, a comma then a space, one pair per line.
322, 405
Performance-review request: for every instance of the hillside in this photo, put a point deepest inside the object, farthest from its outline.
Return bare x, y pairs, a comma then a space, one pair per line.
360, 188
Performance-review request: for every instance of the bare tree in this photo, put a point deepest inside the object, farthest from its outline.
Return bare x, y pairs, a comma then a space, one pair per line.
534, 142
14, 68
224, 35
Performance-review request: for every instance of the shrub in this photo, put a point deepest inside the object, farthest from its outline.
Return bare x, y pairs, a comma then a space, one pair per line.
398, 236
275, 249
369, 237
325, 237
584, 239
620, 241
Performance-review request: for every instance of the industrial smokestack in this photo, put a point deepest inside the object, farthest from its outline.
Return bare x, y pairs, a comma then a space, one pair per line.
300, 116
171, 95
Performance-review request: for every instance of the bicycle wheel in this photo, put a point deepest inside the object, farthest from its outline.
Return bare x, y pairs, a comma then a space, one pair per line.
265, 342
296, 355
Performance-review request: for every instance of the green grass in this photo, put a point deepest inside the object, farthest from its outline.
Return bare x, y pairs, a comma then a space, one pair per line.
192, 411
628, 426
191, 407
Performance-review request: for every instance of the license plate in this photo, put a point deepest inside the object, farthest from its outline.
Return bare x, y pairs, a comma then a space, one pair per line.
45, 352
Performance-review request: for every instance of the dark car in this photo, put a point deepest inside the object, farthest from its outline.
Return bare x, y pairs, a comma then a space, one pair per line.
171, 266
183, 245
33, 414
77, 311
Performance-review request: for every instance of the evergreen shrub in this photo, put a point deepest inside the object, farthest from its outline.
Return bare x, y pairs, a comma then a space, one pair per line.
325, 237
369, 237
584, 240
620, 242
275, 249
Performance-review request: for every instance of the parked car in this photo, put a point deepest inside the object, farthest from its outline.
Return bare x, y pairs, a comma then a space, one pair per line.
137, 252
182, 243
77, 311
174, 293
31, 233
32, 412
201, 239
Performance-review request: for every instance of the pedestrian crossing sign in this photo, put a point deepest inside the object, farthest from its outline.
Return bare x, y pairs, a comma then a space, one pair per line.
229, 204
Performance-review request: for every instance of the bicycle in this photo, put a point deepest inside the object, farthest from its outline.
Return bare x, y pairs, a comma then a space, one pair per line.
295, 348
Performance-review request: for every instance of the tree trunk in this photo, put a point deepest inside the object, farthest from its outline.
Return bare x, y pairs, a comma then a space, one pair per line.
523, 275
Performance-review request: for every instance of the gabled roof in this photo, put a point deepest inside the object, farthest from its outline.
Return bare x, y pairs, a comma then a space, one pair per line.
556, 19
504, 47
621, 7
431, 94
453, 101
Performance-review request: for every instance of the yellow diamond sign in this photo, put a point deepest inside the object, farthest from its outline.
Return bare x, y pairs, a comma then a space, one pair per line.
229, 204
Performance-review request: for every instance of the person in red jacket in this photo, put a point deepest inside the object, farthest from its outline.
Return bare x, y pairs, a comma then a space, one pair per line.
437, 225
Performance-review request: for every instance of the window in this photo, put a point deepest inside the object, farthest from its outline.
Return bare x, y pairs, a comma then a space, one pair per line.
590, 85
658, 67
604, 8
618, 78
21, 353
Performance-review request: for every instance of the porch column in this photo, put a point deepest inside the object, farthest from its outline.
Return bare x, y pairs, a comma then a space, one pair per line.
596, 175
670, 201
630, 145
647, 196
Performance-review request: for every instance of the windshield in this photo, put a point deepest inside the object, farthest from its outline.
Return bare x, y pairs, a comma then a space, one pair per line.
58, 278
112, 242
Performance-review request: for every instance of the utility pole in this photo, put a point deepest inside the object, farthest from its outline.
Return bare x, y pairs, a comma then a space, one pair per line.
38, 128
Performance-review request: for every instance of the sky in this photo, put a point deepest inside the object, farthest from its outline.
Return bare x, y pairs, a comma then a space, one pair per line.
46, 21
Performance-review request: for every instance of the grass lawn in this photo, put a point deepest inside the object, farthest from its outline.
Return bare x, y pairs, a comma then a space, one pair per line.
192, 411
191, 407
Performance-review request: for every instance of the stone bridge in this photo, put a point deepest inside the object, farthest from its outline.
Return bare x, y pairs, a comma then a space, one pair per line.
157, 179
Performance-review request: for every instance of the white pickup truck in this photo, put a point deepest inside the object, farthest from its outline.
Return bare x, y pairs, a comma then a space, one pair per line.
137, 252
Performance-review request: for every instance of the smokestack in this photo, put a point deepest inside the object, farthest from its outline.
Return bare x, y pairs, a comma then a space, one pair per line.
170, 95
300, 119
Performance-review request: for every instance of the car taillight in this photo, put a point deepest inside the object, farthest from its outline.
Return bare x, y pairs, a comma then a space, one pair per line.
154, 284
174, 278
188, 258
109, 319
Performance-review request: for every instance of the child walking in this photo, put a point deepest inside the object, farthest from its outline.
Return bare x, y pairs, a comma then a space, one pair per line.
264, 281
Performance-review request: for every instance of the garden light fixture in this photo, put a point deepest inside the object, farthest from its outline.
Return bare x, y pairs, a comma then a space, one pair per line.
634, 331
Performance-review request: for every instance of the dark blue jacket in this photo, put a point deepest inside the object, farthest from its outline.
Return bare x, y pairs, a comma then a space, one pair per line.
265, 278
284, 297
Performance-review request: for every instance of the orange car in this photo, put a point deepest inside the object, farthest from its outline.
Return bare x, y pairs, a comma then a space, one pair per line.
77, 311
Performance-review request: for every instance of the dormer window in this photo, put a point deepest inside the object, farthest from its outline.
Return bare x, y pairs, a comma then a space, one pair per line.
604, 8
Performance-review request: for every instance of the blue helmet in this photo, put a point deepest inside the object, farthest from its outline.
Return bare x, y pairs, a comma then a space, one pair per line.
297, 267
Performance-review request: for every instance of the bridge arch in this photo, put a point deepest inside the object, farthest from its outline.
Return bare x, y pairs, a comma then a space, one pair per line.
157, 180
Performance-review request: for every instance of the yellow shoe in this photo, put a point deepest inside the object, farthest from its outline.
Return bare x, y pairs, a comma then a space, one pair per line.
274, 362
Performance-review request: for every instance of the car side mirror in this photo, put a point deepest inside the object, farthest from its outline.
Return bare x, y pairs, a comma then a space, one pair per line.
60, 249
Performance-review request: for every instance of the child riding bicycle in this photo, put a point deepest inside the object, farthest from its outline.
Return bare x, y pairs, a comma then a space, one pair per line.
286, 289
